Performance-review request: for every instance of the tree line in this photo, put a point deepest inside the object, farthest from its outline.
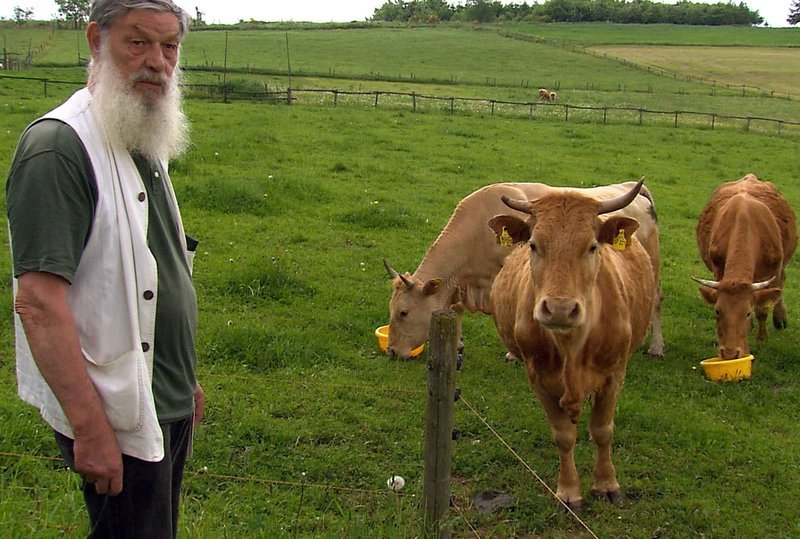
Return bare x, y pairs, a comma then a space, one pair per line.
616, 11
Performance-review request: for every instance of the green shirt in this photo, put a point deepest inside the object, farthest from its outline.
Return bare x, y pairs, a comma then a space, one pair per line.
51, 196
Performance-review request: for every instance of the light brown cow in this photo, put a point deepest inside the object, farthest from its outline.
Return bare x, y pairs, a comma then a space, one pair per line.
573, 302
544, 95
459, 268
746, 234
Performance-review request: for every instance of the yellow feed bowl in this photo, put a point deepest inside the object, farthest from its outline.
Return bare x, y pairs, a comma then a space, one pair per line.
382, 333
728, 370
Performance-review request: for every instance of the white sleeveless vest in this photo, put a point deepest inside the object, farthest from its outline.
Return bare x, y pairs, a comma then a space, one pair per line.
115, 321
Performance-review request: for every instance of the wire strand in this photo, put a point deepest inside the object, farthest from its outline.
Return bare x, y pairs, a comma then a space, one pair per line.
527, 466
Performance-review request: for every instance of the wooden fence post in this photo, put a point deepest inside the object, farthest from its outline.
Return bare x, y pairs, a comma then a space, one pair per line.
442, 356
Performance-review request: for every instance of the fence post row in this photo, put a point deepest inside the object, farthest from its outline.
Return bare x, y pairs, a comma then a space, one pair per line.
229, 93
442, 360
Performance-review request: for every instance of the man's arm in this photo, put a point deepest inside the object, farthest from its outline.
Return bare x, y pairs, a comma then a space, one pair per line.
41, 303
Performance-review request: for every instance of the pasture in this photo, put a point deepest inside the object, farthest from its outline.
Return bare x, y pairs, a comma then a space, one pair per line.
295, 209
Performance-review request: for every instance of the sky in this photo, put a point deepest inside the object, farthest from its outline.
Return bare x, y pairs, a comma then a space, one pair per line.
231, 11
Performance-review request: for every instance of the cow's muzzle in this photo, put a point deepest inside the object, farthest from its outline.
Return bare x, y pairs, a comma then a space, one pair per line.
559, 313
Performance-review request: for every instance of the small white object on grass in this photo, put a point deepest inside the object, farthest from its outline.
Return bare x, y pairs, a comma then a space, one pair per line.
396, 483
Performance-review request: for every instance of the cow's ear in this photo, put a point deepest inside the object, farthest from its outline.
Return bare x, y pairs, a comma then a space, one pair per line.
617, 231
766, 297
432, 287
509, 230
709, 295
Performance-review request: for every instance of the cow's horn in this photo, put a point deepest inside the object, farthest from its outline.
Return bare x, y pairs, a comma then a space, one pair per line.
393, 274
763, 284
390, 269
704, 282
519, 205
614, 204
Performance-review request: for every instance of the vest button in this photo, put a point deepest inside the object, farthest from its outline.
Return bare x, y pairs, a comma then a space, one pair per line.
148, 295
142, 197
145, 347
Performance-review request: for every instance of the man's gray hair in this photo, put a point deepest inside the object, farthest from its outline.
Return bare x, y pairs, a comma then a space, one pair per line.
105, 12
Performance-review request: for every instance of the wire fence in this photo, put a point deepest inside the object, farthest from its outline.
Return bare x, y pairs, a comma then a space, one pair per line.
224, 474
529, 110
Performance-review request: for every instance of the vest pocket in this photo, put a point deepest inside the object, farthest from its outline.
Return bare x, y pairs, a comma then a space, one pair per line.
121, 384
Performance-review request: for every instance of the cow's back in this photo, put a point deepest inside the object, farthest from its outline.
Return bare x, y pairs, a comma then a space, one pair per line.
763, 192
467, 251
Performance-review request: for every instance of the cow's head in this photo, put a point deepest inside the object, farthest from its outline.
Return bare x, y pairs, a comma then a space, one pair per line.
733, 303
410, 309
565, 234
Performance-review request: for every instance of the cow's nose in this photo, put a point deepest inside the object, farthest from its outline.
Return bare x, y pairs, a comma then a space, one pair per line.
559, 312
730, 352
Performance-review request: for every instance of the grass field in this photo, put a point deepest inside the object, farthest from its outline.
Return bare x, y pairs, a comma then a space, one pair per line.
296, 207
754, 66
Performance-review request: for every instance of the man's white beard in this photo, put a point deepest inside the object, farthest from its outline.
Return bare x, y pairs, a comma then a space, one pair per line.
155, 128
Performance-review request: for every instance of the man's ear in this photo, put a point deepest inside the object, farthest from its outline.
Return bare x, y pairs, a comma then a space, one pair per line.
94, 37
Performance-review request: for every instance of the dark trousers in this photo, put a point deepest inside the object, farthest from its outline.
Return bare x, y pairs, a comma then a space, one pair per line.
147, 507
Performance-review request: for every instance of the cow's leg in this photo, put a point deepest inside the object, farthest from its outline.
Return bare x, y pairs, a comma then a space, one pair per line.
601, 428
565, 434
761, 322
656, 335
780, 318
459, 310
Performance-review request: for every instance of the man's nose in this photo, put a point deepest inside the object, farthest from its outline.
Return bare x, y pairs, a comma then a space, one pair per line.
155, 58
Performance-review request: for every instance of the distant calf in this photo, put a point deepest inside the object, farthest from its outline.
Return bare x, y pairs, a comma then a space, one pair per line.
573, 301
544, 95
746, 235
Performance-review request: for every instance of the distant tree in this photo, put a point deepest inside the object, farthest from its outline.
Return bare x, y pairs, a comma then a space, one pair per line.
22, 15
794, 13
198, 19
76, 11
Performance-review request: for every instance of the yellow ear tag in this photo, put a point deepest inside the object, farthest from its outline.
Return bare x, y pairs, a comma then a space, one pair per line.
505, 239
620, 243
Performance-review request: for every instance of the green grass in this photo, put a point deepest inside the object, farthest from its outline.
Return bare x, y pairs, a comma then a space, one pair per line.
295, 209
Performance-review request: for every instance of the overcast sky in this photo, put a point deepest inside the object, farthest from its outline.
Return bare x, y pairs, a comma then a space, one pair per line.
231, 11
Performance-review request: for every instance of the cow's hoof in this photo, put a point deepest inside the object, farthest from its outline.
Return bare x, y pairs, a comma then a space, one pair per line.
614, 496
575, 506
780, 324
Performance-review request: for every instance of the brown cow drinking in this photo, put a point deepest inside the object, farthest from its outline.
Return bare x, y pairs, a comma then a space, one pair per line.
746, 235
573, 302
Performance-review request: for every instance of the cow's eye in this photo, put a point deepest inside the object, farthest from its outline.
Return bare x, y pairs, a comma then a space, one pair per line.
533, 247
749, 314
403, 314
593, 249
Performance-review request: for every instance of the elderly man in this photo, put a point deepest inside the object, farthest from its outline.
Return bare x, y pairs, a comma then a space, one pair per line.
106, 309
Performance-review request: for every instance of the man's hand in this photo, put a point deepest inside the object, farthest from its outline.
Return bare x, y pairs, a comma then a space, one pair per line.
99, 460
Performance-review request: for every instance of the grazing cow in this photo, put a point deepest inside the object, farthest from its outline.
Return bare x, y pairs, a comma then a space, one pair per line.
573, 302
553, 97
459, 268
544, 95
746, 234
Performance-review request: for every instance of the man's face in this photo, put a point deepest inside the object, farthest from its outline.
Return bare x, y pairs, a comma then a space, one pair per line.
143, 44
